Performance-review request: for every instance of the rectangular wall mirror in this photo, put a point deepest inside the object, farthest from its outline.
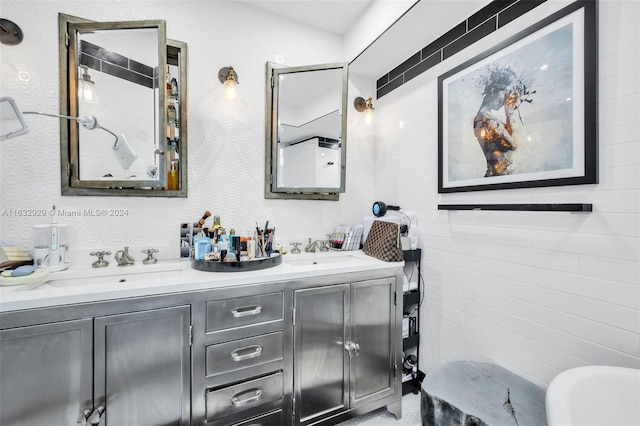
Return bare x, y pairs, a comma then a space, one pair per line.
306, 131
133, 81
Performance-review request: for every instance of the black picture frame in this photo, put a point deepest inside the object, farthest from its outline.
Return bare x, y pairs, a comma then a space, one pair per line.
566, 41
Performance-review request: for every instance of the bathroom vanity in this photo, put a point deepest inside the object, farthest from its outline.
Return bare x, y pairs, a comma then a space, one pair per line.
314, 340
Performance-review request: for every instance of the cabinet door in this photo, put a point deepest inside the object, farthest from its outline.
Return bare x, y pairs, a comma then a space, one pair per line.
321, 363
45, 373
142, 367
373, 334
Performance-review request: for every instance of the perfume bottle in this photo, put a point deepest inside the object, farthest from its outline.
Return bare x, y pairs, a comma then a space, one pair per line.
173, 179
168, 83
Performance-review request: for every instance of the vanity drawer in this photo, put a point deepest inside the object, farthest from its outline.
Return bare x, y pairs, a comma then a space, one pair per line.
269, 419
244, 311
238, 354
244, 396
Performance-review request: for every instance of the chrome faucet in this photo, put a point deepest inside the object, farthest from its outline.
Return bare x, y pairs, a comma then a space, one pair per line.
150, 260
100, 263
123, 257
312, 247
295, 249
324, 245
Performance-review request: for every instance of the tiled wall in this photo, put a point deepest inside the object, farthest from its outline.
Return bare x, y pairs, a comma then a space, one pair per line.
482, 23
536, 292
109, 62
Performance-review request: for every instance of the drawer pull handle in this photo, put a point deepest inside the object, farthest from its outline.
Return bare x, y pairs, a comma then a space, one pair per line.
246, 311
246, 353
237, 401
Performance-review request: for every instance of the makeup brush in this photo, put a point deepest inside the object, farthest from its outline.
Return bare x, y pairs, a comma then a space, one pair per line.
204, 218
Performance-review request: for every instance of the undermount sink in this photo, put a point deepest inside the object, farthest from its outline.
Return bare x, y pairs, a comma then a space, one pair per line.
111, 275
122, 278
322, 260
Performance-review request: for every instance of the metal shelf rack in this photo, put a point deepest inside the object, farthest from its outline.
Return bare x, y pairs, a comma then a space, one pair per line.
411, 299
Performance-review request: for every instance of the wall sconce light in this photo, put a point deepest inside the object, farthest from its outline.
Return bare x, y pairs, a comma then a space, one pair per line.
366, 106
10, 33
229, 78
86, 85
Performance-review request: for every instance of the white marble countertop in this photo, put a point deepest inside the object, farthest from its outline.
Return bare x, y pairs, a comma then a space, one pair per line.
82, 284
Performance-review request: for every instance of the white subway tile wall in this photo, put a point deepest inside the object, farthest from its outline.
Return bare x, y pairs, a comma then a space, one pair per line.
535, 292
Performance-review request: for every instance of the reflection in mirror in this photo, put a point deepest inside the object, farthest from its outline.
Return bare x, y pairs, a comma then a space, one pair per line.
117, 84
307, 131
133, 80
176, 134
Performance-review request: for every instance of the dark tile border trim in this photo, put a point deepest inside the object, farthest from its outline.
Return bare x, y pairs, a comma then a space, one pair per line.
322, 142
109, 62
469, 38
482, 23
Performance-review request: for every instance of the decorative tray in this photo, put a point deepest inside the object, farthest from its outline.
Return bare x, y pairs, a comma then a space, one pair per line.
243, 266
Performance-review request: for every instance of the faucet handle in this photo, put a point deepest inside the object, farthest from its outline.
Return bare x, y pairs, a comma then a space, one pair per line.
150, 259
296, 247
100, 263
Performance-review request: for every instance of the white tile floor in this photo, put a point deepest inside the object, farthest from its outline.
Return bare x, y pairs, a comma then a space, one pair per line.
381, 417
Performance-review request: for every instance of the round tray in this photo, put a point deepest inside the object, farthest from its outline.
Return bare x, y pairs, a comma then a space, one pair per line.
249, 265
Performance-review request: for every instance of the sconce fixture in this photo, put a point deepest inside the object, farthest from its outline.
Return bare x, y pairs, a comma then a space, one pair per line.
86, 85
229, 78
10, 33
12, 124
364, 105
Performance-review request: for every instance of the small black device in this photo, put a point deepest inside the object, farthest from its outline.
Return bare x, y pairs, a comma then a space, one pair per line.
379, 208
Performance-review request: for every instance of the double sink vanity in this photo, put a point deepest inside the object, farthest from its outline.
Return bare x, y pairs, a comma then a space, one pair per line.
314, 340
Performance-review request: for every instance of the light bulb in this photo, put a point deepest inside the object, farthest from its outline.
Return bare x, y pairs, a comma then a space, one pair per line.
368, 116
86, 91
230, 89
86, 85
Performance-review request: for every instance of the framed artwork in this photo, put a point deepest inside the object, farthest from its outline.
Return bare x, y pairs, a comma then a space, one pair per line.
523, 113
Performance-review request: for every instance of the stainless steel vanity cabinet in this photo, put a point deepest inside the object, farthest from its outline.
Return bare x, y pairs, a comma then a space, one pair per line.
127, 369
237, 398
45, 373
142, 367
246, 357
345, 348
306, 351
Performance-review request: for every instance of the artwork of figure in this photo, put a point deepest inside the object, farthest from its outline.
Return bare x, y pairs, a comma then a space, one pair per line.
494, 125
514, 116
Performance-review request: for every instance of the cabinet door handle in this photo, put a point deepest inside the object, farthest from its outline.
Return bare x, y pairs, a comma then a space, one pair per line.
348, 346
237, 401
96, 416
246, 353
246, 311
82, 418
356, 348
